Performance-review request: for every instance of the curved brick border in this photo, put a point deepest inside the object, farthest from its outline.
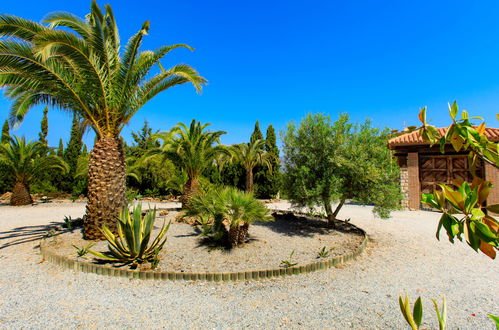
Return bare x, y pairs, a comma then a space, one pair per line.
88, 267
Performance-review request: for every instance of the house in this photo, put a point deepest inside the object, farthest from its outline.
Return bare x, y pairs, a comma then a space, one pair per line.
423, 168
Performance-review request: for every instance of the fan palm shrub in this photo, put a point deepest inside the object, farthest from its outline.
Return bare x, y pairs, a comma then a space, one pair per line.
27, 162
78, 65
250, 155
226, 213
192, 149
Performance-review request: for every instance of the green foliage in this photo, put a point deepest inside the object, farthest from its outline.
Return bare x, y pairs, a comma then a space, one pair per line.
257, 133
495, 319
44, 128
249, 156
5, 132
132, 246
231, 174
368, 173
463, 136
267, 182
415, 318
60, 149
5, 181
326, 162
78, 64
222, 210
324, 253
26, 162
144, 140
192, 149
75, 144
153, 175
83, 250
289, 262
480, 230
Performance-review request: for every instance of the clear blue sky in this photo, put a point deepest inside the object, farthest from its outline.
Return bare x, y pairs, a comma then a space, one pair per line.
275, 61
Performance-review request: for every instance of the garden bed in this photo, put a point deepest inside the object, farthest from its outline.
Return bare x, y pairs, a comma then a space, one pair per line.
187, 253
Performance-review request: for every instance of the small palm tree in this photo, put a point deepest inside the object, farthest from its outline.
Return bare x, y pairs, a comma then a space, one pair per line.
242, 210
192, 149
78, 65
25, 162
235, 208
250, 155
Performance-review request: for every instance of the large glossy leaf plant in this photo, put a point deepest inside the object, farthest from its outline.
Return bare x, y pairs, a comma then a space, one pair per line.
78, 65
465, 212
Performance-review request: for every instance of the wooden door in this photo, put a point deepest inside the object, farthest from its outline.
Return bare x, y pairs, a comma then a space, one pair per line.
441, 169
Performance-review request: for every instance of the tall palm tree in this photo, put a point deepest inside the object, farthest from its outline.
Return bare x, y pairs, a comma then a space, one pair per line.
25, 162
78, 65
192, 149
250, 155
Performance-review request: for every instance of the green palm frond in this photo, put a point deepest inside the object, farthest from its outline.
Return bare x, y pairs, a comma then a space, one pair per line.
25, 161
251, 155
191, 148
77, 64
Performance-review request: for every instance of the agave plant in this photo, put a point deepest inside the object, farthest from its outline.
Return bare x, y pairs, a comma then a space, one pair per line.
131, 246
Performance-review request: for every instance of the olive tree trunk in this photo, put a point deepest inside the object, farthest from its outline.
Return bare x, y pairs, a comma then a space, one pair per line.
106, 186
20, 195
329, 211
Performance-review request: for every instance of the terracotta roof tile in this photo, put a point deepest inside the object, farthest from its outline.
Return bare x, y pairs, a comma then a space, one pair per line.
414, 138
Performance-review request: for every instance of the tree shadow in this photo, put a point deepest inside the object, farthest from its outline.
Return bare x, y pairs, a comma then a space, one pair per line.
27, 234
290, 224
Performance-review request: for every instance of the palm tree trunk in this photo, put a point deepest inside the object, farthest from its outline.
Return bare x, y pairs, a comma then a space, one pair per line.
233, 236
249, 180
20, 195
190, 190
106, 186
243, 233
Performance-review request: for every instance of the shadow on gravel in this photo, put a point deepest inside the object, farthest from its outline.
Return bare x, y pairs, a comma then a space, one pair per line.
290, 224
26, 234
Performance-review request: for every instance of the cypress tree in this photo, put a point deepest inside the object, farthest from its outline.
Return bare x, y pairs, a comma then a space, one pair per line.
74, 146
274, 177
60, 149
44, 126
257, 133
259, 172
5, 132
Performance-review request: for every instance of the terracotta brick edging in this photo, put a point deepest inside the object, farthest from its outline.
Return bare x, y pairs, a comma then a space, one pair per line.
88, 267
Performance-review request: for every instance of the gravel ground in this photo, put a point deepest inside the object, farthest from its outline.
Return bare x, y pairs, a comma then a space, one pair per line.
403, 256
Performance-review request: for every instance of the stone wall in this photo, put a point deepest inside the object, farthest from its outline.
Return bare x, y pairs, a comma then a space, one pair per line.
404, 186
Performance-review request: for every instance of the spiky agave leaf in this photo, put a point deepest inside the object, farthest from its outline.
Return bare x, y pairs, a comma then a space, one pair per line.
131, 246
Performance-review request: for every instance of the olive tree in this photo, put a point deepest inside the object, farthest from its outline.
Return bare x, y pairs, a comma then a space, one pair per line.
326, 162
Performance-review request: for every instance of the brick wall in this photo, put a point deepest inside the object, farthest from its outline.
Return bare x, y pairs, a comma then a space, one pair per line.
413, 180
